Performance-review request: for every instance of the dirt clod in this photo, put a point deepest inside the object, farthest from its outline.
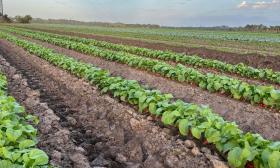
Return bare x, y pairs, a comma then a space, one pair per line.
189, 144
195, 151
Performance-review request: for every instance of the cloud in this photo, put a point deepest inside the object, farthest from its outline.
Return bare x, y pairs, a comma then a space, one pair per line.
259, 4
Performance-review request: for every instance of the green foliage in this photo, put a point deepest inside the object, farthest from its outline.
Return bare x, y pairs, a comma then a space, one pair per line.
241, 69
238, 89
17, 136
23, 19
200, 120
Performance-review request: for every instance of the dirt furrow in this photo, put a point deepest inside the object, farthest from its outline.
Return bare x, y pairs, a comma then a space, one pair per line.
249, 117
112, 134
53, 138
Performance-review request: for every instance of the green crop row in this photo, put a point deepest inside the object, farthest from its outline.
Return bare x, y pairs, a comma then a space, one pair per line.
265, 95
17, 137
241, 149
241, 69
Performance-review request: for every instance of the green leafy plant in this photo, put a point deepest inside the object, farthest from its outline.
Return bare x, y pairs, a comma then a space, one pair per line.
264, 95
196, 61
17, 136
198, 120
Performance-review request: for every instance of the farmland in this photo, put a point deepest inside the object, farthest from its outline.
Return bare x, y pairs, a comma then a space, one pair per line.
136, 97
263, 43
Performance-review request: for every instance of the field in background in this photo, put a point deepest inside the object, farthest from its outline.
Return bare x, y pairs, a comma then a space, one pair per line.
241, 42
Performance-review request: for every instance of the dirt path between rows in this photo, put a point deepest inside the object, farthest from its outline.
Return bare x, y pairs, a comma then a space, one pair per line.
112, 134
53, 138
248, 117
254, 60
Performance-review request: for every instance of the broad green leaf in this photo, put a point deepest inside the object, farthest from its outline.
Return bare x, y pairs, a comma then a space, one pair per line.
152, 108
183, 126
265, 155
9, 164
234, 158
274, 160
40, 157
230, 145
212, 135
26, 144
169, 118
12, 134
275, 94
196, 133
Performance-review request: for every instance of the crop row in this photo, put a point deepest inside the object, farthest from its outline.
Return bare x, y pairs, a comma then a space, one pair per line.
199, 121
17, 137
265, 95
241, 69
166, 33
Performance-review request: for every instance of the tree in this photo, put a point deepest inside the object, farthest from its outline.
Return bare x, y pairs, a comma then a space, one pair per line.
25, 19
7, 19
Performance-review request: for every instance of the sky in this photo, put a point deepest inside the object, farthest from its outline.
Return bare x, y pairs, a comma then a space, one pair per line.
162, 12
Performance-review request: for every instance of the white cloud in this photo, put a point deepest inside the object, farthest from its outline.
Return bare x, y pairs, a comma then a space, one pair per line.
259, 4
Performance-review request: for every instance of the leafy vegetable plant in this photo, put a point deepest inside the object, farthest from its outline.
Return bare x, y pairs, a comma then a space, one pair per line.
198, 120
17, 137
264, 95
241, 69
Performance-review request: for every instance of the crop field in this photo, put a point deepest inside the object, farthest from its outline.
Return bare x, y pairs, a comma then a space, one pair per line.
262, 43
86, 96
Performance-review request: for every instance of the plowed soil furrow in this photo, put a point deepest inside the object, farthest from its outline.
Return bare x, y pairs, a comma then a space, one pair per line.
112, 134
249, 117
53, 138
254, 60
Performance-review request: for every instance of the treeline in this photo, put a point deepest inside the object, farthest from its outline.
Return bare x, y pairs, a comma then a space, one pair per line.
103, 24
18, 19
262, 27
248, 27
28, 19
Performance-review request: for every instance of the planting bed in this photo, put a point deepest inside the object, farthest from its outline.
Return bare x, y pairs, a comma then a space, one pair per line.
254, 60
114, 107
88, 129
248, 117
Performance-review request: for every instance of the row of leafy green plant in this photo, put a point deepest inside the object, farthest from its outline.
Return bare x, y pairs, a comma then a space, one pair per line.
241, 68
264, 95
242, 149
17, 137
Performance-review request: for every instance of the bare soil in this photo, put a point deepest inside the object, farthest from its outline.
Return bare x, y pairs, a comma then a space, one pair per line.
106, 132
53, 138
254, 60
249, 117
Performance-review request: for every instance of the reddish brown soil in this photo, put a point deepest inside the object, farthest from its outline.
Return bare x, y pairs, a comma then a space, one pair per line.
109, 133
53, 138
249, 117
254, 60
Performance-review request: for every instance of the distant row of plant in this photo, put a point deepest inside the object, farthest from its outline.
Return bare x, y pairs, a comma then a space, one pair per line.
263, 95
17, 137
241, 69
196, 120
